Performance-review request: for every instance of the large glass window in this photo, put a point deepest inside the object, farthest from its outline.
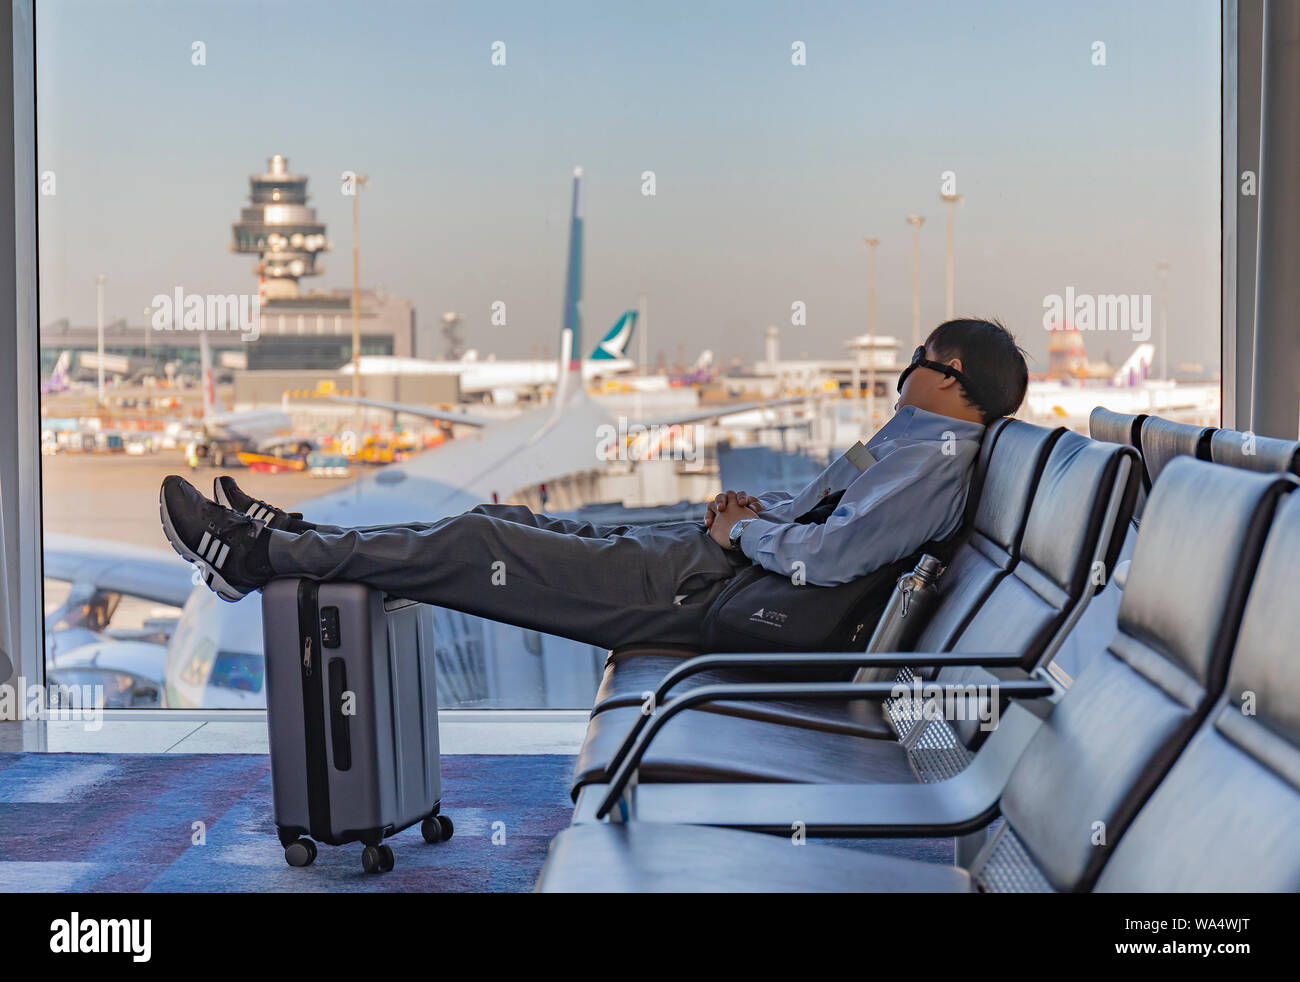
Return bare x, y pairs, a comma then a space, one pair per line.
789, 197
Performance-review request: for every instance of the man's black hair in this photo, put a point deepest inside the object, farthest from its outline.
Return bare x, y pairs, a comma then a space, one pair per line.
990, 358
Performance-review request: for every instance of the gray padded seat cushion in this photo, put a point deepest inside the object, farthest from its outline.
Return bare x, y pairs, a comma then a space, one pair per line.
1267, 454
1133, 708
1222, 821
1163, 440
646, 857
1225, 818
700, 746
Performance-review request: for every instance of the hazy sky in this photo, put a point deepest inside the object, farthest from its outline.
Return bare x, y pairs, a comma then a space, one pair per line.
768, 175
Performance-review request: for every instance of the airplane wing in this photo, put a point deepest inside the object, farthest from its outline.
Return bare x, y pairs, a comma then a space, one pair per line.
721, 411
424, 412
498, 460
153, 574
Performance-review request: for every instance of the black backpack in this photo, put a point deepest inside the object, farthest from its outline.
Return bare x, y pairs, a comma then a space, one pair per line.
759, 610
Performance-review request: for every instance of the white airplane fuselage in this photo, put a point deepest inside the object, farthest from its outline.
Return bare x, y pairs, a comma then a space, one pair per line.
478, 377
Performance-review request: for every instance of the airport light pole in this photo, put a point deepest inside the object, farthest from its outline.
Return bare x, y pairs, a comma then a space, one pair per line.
871, 334
916, 221
642, 317
361, 181
99, 330
643, 324
950, 311
1162, 270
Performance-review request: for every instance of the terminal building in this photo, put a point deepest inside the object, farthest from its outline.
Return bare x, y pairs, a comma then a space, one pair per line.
300, 329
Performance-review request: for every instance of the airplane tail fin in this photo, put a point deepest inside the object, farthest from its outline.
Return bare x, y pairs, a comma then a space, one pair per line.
614, 344
570, 367
59, 380
1137, 368
59, 377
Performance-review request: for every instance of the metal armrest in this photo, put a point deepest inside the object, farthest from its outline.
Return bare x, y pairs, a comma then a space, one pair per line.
956, 806
627, 758
819, 659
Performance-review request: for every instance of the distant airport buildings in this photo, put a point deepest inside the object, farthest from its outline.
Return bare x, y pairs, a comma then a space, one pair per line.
300, 329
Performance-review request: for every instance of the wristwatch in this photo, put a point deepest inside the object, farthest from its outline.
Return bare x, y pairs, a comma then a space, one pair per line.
737, 531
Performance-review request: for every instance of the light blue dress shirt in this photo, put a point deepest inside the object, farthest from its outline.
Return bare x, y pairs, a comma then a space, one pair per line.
909, 488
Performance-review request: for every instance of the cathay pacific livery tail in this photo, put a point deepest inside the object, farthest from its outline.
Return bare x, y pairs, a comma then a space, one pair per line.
504, 380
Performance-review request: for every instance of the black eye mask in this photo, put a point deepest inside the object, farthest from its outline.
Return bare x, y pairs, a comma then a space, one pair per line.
920, 361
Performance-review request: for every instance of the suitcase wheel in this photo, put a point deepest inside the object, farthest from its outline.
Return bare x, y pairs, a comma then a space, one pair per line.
300, 852
377, 859
436, 828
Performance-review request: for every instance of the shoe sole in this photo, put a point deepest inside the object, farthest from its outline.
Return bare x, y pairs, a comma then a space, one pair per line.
211, 578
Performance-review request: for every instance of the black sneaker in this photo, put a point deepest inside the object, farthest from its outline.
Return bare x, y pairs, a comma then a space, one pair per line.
229, 550
227, 493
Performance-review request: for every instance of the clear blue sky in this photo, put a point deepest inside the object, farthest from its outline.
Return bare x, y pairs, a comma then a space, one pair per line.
768, 175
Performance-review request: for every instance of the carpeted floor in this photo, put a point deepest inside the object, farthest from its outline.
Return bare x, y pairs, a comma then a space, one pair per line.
126, 822
98, 822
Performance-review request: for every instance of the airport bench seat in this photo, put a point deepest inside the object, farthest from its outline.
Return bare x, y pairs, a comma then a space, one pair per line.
1017, 453
1160, 543
648, 857
1078, 511
1134, 736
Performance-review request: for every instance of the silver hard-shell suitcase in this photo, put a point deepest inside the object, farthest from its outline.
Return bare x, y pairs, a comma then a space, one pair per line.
352, 712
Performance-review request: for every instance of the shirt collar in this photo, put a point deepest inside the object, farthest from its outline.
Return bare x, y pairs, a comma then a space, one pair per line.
921, 424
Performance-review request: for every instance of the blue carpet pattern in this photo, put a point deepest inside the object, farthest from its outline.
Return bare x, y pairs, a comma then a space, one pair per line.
89, 823
125, 822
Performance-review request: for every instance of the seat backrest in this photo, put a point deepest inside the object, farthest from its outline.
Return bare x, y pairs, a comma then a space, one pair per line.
1224, 818
1255, 453
1079, 513
1073, 510
1124, 429
1017, 454
1112, 427
1163, 440
1115, 733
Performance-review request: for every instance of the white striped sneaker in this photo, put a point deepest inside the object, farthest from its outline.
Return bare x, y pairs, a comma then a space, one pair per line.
228, 494
229, 550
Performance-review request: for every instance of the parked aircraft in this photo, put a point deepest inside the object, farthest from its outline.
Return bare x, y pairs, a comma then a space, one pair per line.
503, 381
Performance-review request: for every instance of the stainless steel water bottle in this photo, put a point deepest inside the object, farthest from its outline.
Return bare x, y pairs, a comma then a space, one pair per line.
913, 601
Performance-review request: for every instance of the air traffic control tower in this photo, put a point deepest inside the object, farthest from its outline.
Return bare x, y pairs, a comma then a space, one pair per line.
281, 229
303, 328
